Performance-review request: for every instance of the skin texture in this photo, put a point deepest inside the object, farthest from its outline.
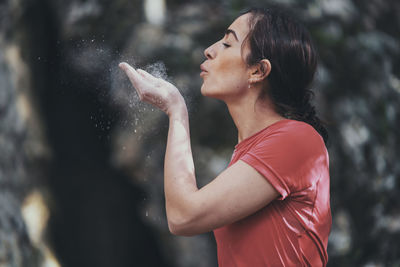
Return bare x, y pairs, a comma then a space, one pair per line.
239, 190
225, 72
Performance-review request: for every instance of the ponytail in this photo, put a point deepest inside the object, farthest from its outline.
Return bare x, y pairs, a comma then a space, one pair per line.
275, 36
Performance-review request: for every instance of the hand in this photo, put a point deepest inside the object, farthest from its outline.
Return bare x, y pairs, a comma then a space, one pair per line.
155, 91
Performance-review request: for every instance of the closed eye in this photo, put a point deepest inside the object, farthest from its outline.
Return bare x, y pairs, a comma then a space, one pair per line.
226, 45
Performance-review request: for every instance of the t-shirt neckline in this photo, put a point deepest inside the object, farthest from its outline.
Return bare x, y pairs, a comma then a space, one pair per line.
246, 140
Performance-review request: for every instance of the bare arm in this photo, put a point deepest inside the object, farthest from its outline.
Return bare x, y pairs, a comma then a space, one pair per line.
234, 194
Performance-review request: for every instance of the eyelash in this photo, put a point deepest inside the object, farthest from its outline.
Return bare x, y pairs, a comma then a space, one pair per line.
226, 45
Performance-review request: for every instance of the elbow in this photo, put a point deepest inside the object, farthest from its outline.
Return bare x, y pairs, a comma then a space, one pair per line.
176, 229
182, 225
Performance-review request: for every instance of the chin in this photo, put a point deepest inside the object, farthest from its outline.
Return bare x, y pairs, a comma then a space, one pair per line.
206, 91
213, 92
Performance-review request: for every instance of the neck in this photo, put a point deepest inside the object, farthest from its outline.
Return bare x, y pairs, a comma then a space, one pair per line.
251, 115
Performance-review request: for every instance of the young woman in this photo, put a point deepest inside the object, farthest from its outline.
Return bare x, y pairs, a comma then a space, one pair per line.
271, 206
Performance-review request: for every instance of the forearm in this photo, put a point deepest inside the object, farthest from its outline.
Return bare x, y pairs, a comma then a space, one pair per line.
179, 183
179, 174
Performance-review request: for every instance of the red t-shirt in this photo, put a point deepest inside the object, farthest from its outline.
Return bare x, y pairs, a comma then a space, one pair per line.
292, 230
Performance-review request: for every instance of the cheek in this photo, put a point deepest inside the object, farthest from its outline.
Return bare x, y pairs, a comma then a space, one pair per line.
228, 77
225, 84
233, 70
234, 77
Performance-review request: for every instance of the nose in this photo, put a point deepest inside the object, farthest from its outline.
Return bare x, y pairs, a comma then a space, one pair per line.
209, 52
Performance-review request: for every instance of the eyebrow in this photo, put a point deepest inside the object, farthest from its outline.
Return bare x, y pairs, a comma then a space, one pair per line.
228, 31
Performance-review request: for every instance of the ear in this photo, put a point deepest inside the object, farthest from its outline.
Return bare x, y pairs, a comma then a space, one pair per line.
260, 71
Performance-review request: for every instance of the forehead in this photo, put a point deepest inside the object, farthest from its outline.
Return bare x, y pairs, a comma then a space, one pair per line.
241, 26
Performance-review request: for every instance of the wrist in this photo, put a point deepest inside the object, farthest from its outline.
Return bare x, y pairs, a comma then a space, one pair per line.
177, 109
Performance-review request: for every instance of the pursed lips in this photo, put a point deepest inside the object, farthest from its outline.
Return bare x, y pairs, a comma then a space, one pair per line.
203, 70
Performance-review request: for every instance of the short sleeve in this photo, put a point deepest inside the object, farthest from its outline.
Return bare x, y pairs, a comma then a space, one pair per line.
287, 157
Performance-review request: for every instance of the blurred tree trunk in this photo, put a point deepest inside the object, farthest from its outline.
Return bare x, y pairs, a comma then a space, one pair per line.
49, 143
23, 149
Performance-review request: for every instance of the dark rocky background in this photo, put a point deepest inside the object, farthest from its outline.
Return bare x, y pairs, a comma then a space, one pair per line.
81, 160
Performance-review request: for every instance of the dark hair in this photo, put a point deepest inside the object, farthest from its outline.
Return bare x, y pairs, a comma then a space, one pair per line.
276, 36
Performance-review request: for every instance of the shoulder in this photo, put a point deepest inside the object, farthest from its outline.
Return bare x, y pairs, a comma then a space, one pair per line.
285, 153
292, 132
289, 141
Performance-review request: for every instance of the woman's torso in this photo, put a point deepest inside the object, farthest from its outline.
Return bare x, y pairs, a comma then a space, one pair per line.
293, 229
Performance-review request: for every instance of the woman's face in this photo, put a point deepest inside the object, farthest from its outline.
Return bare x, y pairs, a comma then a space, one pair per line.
225, 72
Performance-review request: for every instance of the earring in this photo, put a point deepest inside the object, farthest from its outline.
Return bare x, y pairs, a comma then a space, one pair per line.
250, 82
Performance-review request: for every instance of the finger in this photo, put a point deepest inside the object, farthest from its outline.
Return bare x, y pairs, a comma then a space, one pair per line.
146, 75
124, 65
133, 76
130, 71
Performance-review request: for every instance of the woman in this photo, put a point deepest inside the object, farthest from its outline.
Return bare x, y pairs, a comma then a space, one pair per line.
270, 207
